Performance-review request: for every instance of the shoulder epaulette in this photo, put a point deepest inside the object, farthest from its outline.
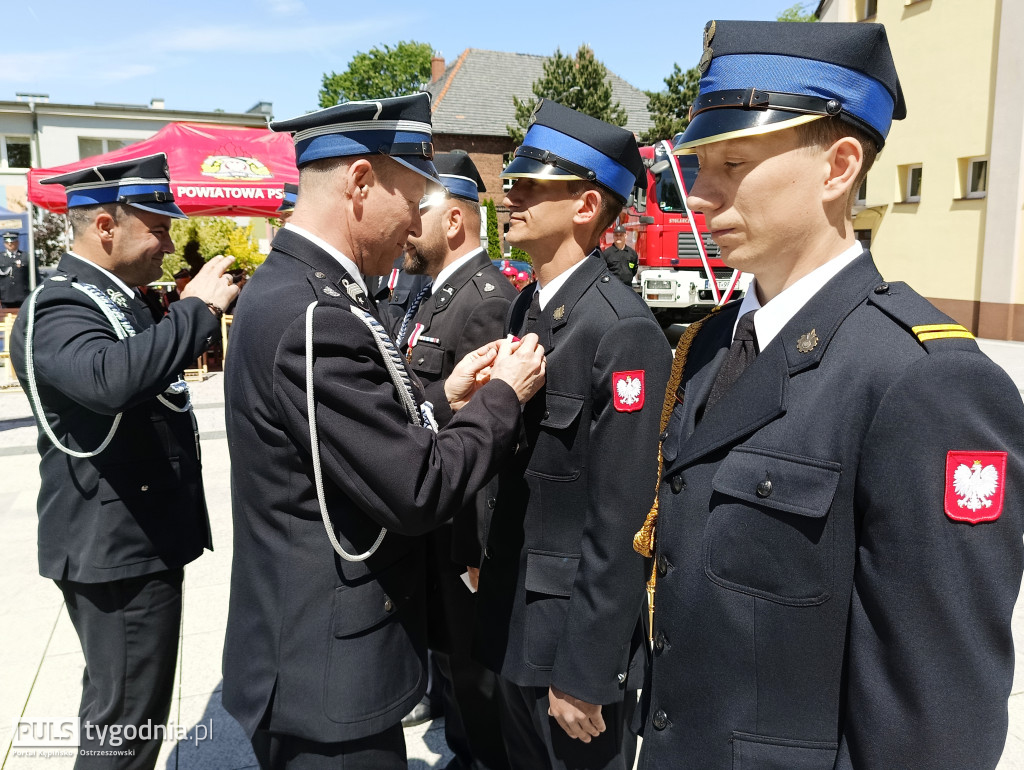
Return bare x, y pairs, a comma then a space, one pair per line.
917, 315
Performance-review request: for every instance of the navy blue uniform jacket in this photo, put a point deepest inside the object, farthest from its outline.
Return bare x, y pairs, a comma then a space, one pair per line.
816, 607
561, 589
316, 646
137, 507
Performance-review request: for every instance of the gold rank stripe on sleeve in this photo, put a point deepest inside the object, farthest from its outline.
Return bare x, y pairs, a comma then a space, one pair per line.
930, 332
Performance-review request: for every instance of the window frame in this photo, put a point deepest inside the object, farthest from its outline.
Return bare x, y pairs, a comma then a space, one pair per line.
908, 196
4, 159
104, 144
971, 163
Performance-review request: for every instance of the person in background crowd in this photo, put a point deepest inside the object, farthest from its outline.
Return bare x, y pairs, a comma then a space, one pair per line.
462, 307
14, 270
121, 506
621, 259
838, 529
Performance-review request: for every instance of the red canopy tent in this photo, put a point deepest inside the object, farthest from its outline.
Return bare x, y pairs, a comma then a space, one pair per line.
215, 170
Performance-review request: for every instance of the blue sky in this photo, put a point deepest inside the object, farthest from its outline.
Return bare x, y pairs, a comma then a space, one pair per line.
229, 55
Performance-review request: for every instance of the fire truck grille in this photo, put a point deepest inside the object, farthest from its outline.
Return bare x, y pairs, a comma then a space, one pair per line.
687, 246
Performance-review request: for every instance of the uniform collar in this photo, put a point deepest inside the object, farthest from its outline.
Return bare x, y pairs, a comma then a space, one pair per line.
447, 273
128, 290
346, 262
769, 319
546, 292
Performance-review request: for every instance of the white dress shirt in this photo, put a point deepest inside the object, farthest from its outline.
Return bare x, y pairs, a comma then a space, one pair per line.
445, 274
546, 292
127, 289
769, 319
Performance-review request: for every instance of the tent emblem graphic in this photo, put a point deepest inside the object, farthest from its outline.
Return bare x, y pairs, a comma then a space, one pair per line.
234, 167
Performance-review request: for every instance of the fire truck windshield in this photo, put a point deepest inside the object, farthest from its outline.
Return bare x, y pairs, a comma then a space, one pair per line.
669, 198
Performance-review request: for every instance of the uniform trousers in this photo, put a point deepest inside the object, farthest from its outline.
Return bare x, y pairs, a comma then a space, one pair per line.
381, 751
535, 741
129, 633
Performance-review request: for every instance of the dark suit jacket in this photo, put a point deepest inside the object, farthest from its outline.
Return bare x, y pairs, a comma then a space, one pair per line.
335, 649
137, 507
561, 589
838, 617
392, 305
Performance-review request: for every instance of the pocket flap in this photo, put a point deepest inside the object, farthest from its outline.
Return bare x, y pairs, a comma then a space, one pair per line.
357, 608
427, 358
561, 409
138, 478
799, 485
399, 296
551, 573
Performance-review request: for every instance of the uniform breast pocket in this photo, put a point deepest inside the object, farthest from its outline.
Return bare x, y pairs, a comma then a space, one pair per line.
427, 359
770, 533
557, 451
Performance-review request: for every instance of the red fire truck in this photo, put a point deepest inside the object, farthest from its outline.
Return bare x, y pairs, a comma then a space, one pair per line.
681, 276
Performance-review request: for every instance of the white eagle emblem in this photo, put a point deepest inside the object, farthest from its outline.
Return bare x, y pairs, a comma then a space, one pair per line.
628, 389
974, 485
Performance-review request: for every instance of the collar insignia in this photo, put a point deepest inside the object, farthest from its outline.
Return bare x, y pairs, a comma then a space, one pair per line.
118, 298
488, 287
331, 292
807, 342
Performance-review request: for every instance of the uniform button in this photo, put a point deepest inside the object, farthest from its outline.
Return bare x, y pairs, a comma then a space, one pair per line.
677, 484
145, 487
319, 275
621, 678
659, 641
605, 279
388, 605
662, 565
663, 436
420, 361
547, 415
882, 288
491, 502
764, 488
488, 553
660, 720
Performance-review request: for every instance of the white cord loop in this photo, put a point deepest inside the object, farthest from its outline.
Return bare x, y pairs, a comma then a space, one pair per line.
417, 416
123, 329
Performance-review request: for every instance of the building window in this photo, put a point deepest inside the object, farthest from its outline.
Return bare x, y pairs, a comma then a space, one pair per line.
863, 237
910, 183
88, 146
15, 152
869, 8
862, 194
977, 178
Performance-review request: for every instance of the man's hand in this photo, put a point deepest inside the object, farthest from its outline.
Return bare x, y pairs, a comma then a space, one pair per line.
469, 375
211, 285
474, 577
522, 365
578, 718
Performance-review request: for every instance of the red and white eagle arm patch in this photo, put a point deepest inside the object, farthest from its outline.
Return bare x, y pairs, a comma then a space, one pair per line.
975, 485
628, 391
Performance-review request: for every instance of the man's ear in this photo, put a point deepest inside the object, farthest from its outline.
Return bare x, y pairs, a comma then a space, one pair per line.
845, 158
588, 207
453, 221
105, 225
359, 177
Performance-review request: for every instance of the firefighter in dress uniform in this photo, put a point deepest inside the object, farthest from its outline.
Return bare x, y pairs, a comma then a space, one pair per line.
838, 527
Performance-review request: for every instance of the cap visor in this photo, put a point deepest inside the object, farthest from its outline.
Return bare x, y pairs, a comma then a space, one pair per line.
285, 208
728, 123
530, 168
168, 208
421, 166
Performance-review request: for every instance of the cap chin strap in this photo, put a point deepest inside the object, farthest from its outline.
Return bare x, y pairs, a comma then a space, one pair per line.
753, 99
417, 415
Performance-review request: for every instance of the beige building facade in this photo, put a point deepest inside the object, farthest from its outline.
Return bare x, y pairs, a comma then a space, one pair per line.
943, 206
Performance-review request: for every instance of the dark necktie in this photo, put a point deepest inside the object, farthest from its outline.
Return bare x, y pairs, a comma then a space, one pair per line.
532, 314
741, 354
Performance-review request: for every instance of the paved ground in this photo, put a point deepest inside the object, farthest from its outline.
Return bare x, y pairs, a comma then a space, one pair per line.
41, 660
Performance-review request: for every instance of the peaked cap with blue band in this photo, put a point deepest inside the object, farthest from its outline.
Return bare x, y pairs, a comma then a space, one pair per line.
291, 194
143, 183
398, 126
459, 175
562, 144
760, 76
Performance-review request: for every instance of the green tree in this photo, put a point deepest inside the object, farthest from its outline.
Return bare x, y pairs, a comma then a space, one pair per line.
379, 73
49, 241
670, 108
579, 82
521, 255
198, 239
797, 12
493, 239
